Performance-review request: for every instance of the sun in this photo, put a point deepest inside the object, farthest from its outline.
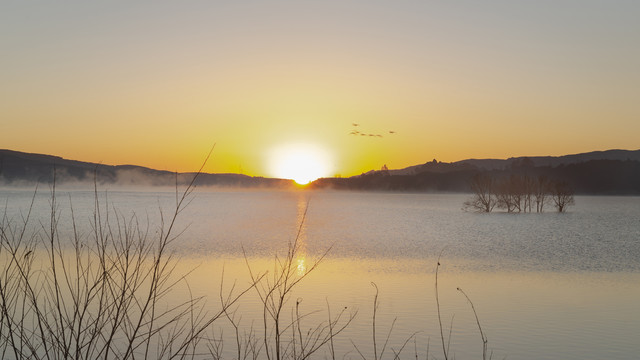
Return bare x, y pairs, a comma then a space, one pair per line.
302, 163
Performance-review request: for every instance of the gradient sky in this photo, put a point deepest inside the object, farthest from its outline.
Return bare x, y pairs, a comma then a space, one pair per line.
157, 83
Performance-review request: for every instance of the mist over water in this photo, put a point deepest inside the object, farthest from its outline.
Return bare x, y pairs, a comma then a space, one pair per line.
598, 234
546, 286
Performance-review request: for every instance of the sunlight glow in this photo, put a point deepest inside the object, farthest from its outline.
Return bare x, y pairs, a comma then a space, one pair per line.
302, 163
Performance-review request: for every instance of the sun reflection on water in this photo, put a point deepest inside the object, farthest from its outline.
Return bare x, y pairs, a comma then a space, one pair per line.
302, 267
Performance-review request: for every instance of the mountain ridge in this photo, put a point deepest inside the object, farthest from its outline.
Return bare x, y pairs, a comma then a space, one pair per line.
497, 164
18, 167
613, 171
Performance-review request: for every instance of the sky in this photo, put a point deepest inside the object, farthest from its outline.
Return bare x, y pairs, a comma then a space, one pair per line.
159, 83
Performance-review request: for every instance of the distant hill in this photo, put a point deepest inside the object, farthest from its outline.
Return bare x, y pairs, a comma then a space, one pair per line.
501, 164
600, 172
493, 164
19, 168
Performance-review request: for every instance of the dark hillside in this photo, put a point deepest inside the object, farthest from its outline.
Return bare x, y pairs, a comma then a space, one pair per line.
24, 168
595, 176
611, 177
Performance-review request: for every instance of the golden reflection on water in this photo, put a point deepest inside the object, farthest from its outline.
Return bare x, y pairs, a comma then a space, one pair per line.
302, 267
301, 239
522, 313
526, 315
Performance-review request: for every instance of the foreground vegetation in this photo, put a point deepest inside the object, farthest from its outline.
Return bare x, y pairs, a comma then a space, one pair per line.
105, 295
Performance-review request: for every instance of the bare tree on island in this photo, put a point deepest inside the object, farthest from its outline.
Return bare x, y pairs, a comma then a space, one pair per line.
562, 195
516, 193
483, 199
529, 187
541, 192
509, 194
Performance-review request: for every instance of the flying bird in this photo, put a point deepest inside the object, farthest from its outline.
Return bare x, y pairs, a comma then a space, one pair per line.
391, 132
362, 133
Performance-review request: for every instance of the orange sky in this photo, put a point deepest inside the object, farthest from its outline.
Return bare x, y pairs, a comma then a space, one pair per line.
157, 83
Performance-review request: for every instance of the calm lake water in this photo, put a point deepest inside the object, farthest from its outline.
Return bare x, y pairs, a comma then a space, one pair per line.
545, 286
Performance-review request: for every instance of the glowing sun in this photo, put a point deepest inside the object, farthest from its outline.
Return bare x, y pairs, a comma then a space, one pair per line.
302, 163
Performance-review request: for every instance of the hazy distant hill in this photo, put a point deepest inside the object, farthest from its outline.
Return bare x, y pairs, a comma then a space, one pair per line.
600, 172
603, 177
18, 168
500, 164
621, 155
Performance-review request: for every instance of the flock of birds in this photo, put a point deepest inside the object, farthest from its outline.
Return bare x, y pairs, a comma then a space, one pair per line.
357, 132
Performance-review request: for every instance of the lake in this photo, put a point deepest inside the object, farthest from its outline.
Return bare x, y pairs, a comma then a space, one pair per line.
545, 286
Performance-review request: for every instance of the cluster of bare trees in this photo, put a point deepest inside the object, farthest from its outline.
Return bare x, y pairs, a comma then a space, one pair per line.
518, 193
